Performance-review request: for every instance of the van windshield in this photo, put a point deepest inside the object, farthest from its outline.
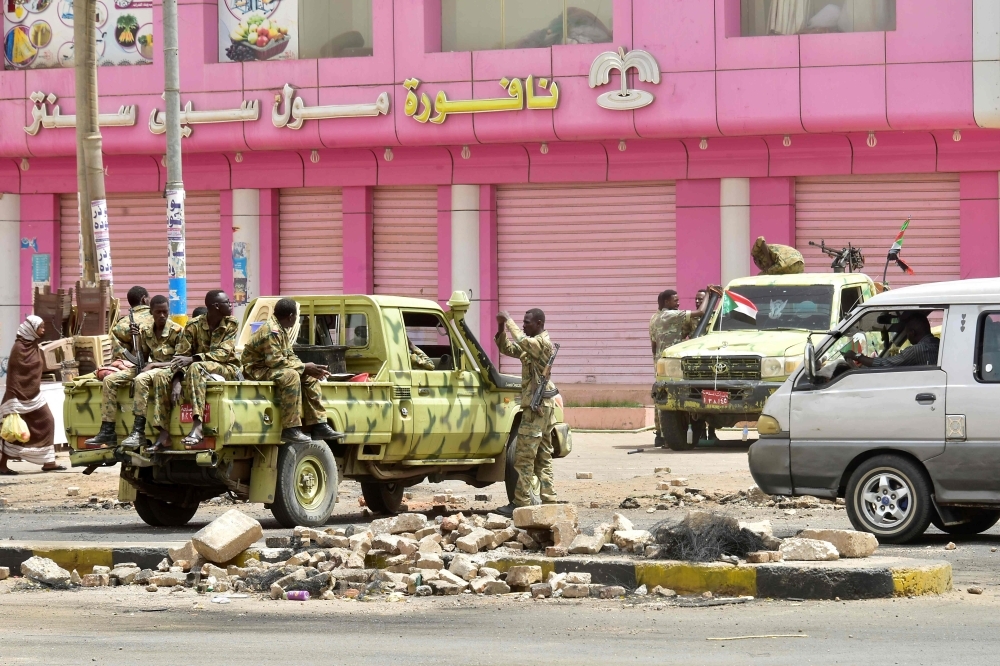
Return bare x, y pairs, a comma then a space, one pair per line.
793, 306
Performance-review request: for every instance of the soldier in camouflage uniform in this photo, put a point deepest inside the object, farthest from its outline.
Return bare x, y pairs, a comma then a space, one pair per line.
121, 342
669, 326
775, 259
418, 359
207, 347
158, 343
268, 357
533, 446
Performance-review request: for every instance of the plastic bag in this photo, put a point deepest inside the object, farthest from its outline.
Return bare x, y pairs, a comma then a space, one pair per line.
14, 429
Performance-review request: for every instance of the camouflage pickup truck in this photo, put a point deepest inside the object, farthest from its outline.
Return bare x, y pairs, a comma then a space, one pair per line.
725, 376
400, 425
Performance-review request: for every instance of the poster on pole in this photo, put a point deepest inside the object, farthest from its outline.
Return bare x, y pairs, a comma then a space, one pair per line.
38, 34
258, 30
102, 239
176, 259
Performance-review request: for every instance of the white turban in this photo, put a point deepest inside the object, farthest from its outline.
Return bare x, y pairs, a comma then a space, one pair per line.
28, 330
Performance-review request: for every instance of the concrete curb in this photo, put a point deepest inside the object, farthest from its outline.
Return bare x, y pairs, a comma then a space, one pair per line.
870, 578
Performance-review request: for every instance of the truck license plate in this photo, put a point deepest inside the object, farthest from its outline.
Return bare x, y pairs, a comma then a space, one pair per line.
187, 413
715, 398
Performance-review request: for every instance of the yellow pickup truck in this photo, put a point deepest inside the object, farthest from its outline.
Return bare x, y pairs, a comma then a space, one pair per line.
400, 425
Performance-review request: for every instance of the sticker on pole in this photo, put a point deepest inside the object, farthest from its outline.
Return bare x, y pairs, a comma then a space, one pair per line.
102, 238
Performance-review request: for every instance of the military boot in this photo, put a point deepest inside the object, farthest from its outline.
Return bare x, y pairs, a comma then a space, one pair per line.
506, 511
294, 436
106, 436
322, 432
138, 435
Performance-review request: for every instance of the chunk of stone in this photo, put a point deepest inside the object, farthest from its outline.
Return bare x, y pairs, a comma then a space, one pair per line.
355, 561
808, 550
544, 515
96, 580
663, 485
478, 539
661, 591
575, 590
463, 567
169, 579
759, 557
975, 589
72, 491
578, 578
44, 570
556, 580
360, 543
541, 591
445, 588
556, 551
849, 543
451, 523
620, 523
761, 528
950, 546
4, 573
298, 559
152, 588
429, 561
630, 539
504, 535
186, 551
659, 470
612, 592
100, 569
423, 591
496, 587
75, 578
521, 577
125, 575
678, 482
430, 544
563, 534
408, 522
227, 536
591, 545
757, 496
584, 475
386, 542
494, 521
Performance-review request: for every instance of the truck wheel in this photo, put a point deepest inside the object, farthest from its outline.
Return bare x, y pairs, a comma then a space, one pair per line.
980, 521
510, 475
159, 513
675, 425
307, 485
383, 498
145, 511
890, 497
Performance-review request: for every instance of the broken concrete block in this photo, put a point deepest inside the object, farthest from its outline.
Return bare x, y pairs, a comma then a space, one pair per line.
612, 592
808, 550
298, 559
848, 543
620, 523
408, 522
96, 580
478, 539
360, 543
4, 573
761, 528
227, 536
544, 516
44, 570
355, 561
444, 588
125, 575
503, 536
660, 591
184, 552
578, 578
658, 470
563, 534
663, 485
72, 491
757, 496
494, 521
451, 523
386, 542
679, 482
496, 587
759, 557
429, 561
430, 544
541, 591
427, 531
575, 591
556, 551
463, 567
630, 539
522, 576
584, 475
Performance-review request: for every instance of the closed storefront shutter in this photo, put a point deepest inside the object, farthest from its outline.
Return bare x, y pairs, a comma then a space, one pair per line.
406, 241
139, 243
311, 241
868, 211
594, 258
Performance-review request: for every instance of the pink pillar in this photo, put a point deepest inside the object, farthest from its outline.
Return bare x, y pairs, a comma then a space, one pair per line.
267, 232
489, 304
699, 237
444, 244
39, 229
359, 241
772, 210
980, 224
226, 282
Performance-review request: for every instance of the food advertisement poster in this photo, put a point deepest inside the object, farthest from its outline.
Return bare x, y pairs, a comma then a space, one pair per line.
38, 34
258, 30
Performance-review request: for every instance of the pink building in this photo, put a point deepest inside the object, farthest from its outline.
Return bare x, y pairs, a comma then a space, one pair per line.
518, 170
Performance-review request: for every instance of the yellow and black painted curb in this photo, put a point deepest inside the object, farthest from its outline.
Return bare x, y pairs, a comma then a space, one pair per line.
83, 557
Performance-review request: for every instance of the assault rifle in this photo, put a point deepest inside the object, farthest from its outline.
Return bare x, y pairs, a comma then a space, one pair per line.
536, 400
849, 257
137, 357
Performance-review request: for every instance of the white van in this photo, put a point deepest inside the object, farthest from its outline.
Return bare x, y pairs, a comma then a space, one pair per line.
912, 440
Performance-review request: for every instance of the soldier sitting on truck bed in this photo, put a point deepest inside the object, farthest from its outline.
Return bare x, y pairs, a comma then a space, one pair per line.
775, 259
207, 347
268, 357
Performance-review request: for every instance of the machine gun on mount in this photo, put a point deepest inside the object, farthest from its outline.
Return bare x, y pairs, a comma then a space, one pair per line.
845, 260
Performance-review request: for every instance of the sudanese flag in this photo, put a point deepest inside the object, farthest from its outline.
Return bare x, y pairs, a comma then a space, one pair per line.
740, 307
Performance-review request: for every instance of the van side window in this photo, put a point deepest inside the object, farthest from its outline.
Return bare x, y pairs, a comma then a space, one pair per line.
849, 299
988, 348
882, 336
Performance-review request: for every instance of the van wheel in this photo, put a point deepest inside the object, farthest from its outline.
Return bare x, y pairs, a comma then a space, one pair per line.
510, 475
675, 425
158, 513
890, 497
383, 498
980, 520
307, 485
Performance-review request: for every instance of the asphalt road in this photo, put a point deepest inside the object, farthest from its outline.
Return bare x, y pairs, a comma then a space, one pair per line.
128, 627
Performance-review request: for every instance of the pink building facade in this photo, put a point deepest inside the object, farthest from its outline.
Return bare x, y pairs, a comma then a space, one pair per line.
539, 196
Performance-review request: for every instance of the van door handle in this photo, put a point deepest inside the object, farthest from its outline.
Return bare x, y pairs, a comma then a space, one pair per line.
926, 398
423, 391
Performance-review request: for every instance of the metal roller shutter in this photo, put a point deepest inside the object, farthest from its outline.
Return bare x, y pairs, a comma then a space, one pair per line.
311, 240
868, 212
594, 258
139, 243
406, 241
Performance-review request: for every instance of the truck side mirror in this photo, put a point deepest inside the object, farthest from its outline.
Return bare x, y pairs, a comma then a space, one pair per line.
809, 360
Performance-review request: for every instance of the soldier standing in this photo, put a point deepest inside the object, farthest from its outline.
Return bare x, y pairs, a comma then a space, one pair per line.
121, 343
533, 446
669, 326
269, 357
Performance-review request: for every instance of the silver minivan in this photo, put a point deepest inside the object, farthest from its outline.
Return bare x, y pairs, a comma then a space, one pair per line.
910, 434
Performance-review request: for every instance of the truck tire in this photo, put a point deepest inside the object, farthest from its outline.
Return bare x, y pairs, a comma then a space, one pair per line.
889, 496
145, 511
383, 498
163, 514
510, 475
675, 425
980, 521
306, 491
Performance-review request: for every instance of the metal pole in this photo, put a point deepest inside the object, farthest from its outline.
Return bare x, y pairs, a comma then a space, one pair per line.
176, 261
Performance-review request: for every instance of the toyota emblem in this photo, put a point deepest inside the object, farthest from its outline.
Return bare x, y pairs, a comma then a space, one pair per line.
721, 368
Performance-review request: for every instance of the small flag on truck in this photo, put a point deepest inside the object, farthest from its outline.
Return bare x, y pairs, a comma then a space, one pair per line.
740, 307
897, 247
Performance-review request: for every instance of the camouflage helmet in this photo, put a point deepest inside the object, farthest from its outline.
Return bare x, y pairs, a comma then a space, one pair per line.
761, 254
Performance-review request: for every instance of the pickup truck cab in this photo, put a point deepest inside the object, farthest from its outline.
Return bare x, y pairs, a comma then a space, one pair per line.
401, 425
725, 376
905, 445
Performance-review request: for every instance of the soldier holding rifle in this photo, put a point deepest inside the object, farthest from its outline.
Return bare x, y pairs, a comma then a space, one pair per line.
533, 446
